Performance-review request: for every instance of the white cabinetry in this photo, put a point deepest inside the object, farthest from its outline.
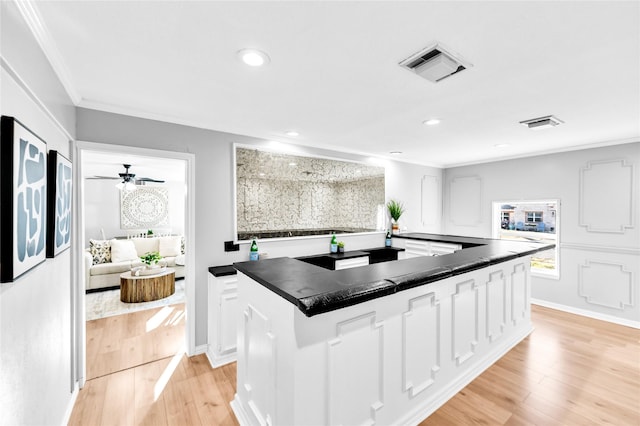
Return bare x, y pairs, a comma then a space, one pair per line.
222, 319
415, 248
387, 361
438, 248
352, 262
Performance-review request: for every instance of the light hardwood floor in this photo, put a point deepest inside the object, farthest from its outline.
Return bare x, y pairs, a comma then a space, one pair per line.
570, 371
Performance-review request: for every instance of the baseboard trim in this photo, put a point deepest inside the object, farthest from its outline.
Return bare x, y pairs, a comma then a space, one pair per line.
216, 362
587, 313
238, 410
70, 405
201, 349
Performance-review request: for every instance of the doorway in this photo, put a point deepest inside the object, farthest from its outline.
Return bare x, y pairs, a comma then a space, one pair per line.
83, 153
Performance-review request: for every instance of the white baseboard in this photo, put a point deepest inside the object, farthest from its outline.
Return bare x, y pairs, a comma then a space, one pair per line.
70, 405
216, 362
201, 349
586, 313
238, 410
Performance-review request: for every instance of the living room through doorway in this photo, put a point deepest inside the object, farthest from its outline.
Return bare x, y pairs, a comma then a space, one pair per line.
122, 335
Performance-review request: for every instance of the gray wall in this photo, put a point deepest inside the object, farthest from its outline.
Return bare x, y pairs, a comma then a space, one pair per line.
35, 310
214, 197
599, 221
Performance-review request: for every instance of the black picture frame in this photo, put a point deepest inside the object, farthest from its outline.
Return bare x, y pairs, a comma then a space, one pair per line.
59, 181
23, 194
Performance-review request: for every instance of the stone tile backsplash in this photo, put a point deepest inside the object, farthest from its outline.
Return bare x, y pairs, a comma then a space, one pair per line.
274, 204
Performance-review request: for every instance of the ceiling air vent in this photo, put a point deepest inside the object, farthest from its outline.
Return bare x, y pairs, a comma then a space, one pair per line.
545, 122
435, 63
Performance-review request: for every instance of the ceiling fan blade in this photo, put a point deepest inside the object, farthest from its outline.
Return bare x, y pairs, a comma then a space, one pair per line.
146, 179
102, 177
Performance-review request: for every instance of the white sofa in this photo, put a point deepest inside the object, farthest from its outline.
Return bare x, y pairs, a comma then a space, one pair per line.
105, 260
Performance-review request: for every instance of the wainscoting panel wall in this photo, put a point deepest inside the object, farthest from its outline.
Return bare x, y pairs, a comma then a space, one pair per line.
599, 237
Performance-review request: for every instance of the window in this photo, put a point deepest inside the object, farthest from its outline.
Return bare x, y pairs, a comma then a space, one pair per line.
535, 220
534, 216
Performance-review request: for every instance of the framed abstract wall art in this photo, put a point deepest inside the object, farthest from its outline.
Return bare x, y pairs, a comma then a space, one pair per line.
23, 194
58, 204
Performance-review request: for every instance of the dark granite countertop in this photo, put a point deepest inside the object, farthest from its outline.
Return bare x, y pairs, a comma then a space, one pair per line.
221, 271
315, 290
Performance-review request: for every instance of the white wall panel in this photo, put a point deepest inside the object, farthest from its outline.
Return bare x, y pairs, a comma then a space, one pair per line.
465, 200
606, 196
607, 284
430, 193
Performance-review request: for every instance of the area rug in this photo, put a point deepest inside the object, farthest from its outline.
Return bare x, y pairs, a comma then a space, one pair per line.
107, 303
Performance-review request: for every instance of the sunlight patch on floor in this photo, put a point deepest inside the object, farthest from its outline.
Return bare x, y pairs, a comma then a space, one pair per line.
166, 374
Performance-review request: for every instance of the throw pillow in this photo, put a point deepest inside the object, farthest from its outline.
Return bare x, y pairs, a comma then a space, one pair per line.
122, 250
169, 246
100, 251
182, 244
145, 245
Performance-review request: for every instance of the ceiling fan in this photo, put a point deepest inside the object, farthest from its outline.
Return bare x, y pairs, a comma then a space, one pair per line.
129, 180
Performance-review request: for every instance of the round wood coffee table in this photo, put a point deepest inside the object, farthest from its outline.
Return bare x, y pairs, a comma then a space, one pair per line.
145, 288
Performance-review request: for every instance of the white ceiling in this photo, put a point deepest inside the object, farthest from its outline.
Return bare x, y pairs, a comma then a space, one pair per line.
334, 74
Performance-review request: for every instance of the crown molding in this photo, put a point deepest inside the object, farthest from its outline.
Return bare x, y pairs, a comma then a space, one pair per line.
29, 11
547, 152
4, 65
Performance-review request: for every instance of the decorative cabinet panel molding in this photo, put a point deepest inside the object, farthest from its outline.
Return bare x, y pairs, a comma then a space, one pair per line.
606, 284
356, 335
223, 315
607, 196
260, 357
386, 361
465, 200
520, 294
465, 321
421, 343
496, 305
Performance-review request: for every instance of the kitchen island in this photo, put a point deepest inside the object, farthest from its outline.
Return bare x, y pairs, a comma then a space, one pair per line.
380, 344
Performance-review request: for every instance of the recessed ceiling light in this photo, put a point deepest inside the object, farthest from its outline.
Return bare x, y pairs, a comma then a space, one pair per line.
253, 57
395, 152
293, 164
431, 122
292, 133
501, 145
